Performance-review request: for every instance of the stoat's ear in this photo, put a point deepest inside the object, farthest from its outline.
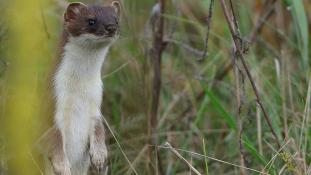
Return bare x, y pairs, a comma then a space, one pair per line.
117, 7
73, 9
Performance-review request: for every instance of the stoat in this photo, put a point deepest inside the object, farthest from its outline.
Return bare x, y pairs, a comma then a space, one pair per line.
79, 137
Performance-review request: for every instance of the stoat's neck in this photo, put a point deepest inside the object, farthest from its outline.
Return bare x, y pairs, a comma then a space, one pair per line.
82, 61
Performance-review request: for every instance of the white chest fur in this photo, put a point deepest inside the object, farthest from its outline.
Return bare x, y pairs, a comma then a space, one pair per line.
78, 91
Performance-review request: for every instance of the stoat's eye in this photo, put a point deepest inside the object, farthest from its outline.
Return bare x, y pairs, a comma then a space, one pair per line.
92, 22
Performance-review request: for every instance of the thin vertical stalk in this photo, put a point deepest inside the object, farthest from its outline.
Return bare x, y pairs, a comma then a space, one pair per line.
240, 106
234, 34
156, 56
209, 19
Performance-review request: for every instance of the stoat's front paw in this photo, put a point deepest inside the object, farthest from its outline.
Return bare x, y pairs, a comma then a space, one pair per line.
61, 167
98, 154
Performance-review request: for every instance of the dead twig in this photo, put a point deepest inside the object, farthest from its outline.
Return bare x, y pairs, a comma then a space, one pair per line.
234, 33
252, 38
156, 56
169, 146
239, 91
262, 20
209, 19
214, 159
186, 47
119, 146
239, 100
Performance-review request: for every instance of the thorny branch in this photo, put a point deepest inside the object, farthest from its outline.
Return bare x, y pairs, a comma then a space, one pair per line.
235, 32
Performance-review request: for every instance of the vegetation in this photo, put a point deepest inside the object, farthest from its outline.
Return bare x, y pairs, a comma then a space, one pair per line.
225, 89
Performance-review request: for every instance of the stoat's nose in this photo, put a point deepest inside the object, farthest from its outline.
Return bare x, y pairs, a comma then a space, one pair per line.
111, 28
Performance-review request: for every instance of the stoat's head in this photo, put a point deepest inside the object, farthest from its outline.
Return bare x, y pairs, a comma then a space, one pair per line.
92, 24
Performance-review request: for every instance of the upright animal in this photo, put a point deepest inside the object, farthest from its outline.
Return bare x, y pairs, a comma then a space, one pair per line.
79, 137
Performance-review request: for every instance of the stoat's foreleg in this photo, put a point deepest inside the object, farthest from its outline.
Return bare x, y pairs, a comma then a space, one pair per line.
98, 149
58, 158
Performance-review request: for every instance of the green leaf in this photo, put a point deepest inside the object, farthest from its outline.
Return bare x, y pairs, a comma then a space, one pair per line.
249, 146
301, 26
259, 157
202, 110
219, 107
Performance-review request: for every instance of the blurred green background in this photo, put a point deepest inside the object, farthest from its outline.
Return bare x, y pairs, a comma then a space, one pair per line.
198, 111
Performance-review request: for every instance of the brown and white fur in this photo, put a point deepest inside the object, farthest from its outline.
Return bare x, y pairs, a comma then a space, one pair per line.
79, 137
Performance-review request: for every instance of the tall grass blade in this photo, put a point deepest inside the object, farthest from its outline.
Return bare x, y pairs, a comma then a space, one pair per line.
224, 114
301, 26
